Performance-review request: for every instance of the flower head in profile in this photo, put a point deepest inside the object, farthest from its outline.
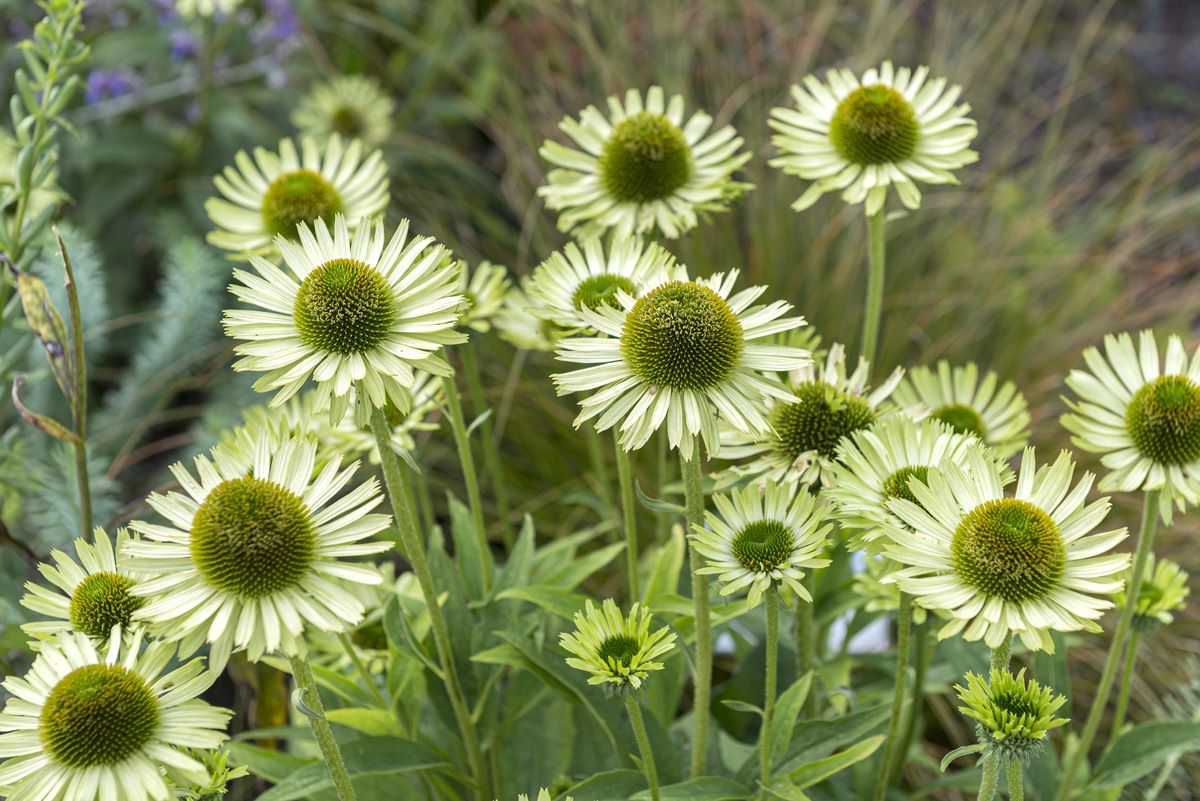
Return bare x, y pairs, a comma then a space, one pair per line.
585, 274
760, 538
995, 413
618, 651
98, 721
641, 168
891, 128
800, 444
683, 355
353, 106
874, 465
1142, 413
90, 596
190, 9
1164, 592
1012, 714
361, 314
518, 323
270, 195
998, 565
253, 552
485, 286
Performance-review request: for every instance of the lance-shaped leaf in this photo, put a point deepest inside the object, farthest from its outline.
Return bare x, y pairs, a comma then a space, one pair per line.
39, 421
47, 325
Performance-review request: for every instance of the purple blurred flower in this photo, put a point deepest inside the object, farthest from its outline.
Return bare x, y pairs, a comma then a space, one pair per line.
184, 46
166, 10
279, 22
103, 84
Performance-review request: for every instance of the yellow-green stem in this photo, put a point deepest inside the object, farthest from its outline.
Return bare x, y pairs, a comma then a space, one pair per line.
361, 668
891, 750
399, 493
323, 734
693, 492
913, 717
873, 305
1016, 781
487, 432
1135, 637
771, 599
462, 442
628, 517
1002, 655
79, 401
1145, 544
991, 776
643, 741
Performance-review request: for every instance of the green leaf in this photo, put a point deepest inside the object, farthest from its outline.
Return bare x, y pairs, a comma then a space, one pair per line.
46, 323
816, 738
372, 756
520, 561
572, 572
787, 712
821, 769
371, 721
466, 547
655, 505
742, 706
666, 563
782, 787
555, 601
272, 765
344, 687
1142, 749
47, 425
615, 785
705, 788
959, 752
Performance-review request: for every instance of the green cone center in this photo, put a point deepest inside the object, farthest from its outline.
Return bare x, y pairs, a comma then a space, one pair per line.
897, 484
961, 418
682, 335
619, 648
252, 537
345, 307
763, 546
824, 416
98, 715
1163, 419
299, 196
601, 290
874, 125
347, 122
1009, 548
101, 601
646, 158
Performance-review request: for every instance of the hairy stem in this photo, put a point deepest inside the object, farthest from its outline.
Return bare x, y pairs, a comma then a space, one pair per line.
892, 757
1135, 637
79, 399
487, 432
643, 741
873, 305
462, 441
693, 490
771, 598
990, 778
1016, 781
628, 517
315, 712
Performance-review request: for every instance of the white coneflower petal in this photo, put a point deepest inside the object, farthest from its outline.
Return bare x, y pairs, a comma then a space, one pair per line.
519, 324
641, 169
891, 128
485, 287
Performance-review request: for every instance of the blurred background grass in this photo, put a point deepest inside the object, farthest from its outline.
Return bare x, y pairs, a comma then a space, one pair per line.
1080, 218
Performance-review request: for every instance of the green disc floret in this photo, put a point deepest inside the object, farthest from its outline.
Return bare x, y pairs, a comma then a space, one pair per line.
1009, 548
682, 335
601, 290
897, 484
620, 648
98, 715
1163, 419
874, 125
344, 306
763, 546
252, 537
823, 417
347, 122
299, 196
646, 158
961, 418
101, 601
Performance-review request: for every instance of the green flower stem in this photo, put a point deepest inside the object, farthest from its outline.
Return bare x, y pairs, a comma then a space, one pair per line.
399, 492
363, 673
1016, 781
693, 491
873, 312
599, 467
462, 441
806, 646
771, 599
79, 399
991, 776
892, 756
1002, 655
332, 755
629, 517
1135, 638
643, 741
923, 656
1145, 544
487, 431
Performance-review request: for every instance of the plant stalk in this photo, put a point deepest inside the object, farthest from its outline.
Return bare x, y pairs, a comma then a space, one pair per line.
643, 741
873, 312
913, 718
1016, 781
1135, 638
462, 441
892, 756
693, 490
771, 598
361, 668
806, 645
487, 432
79, 401
323, 734
628, 517
1145, 544
990, 778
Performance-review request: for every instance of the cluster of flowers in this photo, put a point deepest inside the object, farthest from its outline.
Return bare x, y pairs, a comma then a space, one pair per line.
255, 551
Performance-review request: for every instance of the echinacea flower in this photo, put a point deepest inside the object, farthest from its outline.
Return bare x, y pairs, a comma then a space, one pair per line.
999, 565
586, 274
874, 465
618, 651
890, 128
1012, 714
484, 286
270, 195
996, 413
253, 552
683, 355
762, 538
518, 324
641, 169
1142, 413
805, 430
189, 9
363, 314
90, 596
353, 106
96, 722
1164, 591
